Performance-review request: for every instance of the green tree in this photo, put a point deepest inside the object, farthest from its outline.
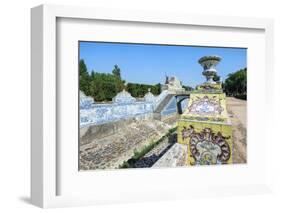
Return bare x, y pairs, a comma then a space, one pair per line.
116, 71
103, 86
156, 89
236, 84
92, 74
139, 90
84, 78
119, 83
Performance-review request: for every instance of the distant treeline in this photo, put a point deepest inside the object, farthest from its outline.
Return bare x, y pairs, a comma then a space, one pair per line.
139, 90
105, 86
236, 84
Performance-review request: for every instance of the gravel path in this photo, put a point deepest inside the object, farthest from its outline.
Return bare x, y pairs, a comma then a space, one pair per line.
237, 110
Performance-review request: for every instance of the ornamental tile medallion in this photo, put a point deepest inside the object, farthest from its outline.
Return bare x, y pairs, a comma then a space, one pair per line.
207, 147
205, 106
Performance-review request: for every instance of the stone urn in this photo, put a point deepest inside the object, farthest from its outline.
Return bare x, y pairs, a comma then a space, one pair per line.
209, 64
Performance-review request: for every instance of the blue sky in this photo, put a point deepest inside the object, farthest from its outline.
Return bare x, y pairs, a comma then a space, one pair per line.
148, 64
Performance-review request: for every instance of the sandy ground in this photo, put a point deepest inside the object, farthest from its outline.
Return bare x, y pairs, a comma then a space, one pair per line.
237, 110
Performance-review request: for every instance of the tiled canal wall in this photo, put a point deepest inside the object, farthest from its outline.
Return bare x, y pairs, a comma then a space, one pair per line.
105, 113
123, 107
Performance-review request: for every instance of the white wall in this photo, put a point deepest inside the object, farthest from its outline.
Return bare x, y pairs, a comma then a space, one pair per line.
15, 98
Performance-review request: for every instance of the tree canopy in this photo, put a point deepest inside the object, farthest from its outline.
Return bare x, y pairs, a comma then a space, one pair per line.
84, 78
116, 71
236, 84
101, 86
139, 90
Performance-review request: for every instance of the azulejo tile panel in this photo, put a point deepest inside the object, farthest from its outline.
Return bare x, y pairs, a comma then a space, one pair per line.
205, 125
208, 143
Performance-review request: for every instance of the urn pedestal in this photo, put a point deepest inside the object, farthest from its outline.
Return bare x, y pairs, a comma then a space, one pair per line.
205, 126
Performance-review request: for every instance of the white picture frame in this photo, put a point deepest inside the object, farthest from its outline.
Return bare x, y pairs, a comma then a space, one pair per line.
45, 178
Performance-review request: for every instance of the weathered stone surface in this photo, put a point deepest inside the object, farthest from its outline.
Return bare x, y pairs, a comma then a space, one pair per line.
156, 153
174, 157
111, 151
88, 133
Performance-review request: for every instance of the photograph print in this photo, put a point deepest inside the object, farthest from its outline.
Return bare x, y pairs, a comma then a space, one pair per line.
161, 106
